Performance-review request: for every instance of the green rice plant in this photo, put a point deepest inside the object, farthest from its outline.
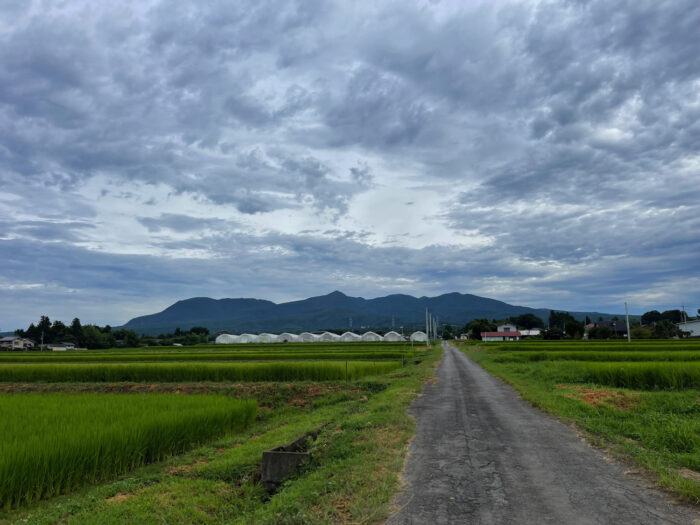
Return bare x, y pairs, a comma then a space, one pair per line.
53, 443
194, 371
593, 355
199, 356
632, 375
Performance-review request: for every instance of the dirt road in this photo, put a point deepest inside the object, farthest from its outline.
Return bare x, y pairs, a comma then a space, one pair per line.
483, 455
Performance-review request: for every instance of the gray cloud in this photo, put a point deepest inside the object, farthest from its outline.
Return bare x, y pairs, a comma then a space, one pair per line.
560, 137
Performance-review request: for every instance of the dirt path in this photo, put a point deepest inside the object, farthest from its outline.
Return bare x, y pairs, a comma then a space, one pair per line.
483, 455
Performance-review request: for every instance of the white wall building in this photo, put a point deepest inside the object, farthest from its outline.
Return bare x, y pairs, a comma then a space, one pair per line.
507, 328
691, 326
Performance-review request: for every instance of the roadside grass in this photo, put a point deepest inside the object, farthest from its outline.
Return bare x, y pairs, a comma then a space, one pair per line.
657, 426
353, 475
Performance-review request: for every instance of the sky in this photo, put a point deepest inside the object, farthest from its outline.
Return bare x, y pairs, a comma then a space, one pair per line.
543, 153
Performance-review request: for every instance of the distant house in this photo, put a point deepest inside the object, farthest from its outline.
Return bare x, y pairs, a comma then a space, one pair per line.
530, 333
506, 332
692, 326
14, 342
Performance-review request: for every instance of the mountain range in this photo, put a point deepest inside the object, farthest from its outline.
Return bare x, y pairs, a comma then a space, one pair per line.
333, 311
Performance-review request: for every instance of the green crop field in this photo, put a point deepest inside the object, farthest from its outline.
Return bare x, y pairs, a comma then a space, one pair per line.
194, 371
99, 421
54, 443
641, 400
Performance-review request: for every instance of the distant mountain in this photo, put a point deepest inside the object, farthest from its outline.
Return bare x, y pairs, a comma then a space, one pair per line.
333, 311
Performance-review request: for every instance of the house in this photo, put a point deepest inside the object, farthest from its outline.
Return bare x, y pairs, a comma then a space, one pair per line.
531, 332
506, 332
692, 326
14, 342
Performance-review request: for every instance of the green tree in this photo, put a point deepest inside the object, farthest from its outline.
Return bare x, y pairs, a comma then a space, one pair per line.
651, 317
527, 321
448, 332
675, 316
475, 327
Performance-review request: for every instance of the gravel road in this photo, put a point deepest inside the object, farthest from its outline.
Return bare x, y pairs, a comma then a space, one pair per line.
483, 455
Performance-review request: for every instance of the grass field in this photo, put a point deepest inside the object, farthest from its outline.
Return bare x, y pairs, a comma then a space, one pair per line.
640, 400
53, 443
58, 464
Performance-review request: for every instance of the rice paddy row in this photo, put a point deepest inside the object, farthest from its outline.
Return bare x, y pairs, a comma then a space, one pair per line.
260, 355
194, 371
54, 443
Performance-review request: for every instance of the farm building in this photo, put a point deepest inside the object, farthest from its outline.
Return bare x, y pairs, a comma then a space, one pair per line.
14, 342
307, 337
500, 336
267, 338
393, 337
350, 337
248, 338
419, 337
371, 336
226, 339
531, 332
328, 337
691, 326
286, 337
507, 328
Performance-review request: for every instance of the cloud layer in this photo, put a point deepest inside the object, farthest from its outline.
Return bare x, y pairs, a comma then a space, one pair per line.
543, 153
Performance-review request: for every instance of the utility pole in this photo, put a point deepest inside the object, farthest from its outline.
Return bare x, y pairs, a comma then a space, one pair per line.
627, 317
427, 337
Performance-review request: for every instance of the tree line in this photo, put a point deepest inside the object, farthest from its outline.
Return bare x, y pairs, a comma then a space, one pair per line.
92, 336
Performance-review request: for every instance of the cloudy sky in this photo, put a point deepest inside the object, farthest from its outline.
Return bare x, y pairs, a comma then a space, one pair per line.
542, 153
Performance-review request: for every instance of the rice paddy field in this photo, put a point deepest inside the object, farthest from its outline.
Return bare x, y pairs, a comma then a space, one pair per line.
175, 435
639, 400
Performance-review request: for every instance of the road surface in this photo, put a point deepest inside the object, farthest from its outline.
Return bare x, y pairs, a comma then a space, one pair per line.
483, 455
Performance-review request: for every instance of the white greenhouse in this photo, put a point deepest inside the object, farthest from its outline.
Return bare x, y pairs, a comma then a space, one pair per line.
286, 337
267, 338
226, 339
350, 337
308, 337
371, 336
419, 337
328, 337
248, 338
393, 337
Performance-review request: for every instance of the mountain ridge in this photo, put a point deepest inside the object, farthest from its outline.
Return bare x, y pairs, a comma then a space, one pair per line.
335, 310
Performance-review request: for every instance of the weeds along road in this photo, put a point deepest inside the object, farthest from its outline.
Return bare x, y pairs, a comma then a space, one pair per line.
483, 455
